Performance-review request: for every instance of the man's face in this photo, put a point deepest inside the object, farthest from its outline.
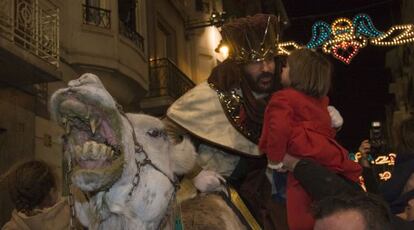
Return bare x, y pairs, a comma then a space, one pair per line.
261, 75
343, 220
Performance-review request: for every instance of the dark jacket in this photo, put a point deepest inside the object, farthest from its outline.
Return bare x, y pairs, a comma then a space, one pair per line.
392, 189
320, 182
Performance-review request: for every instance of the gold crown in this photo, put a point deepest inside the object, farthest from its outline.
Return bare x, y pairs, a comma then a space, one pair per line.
252, 38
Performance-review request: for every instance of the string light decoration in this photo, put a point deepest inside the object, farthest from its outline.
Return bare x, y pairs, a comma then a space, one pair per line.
285, 48
342, 27
320, 34
345, 51
387, 161
344, 44
364, 26
344, 38
345, 47
386, 175
405, 34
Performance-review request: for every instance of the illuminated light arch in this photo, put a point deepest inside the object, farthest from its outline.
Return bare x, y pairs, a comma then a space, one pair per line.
402, 34
321, 32
285, 48
344, 38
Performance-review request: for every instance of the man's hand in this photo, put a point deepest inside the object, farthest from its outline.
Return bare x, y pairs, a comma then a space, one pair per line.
208, 181
365, 147
336, 119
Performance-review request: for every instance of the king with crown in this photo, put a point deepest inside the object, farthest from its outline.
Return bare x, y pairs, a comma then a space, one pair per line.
224, 116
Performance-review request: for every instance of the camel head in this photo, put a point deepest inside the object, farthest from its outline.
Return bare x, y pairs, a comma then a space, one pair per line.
110, 150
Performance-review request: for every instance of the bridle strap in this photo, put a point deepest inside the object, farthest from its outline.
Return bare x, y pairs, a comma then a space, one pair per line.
146, 161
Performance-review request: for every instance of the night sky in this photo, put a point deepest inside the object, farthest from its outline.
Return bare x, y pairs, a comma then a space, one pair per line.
359, 90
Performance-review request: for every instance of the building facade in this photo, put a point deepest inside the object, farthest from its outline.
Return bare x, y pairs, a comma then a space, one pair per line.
44, 44
29, 59
400, 61
147, 54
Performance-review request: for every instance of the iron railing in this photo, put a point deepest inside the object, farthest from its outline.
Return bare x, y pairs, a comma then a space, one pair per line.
96, 16
132, 35
166, 79
32, 25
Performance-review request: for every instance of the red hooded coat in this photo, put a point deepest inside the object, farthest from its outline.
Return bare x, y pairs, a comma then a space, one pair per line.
300, 125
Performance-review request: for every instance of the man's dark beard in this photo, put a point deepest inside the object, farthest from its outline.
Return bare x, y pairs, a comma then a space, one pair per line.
254, 83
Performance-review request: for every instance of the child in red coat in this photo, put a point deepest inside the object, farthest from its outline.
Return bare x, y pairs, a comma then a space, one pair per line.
297, 122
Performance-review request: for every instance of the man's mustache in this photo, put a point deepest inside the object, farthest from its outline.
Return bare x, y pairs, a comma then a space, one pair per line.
265, 75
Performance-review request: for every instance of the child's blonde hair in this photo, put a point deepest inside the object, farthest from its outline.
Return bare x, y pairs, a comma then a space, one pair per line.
309, 72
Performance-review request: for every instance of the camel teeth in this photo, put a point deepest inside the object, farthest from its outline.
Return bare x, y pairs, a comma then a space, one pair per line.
67, 127
88, 113
78, 150
94, 154
86, 147
108, 151
93, 125
64, 120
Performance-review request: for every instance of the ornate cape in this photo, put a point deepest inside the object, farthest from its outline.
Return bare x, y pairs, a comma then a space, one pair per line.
201, 113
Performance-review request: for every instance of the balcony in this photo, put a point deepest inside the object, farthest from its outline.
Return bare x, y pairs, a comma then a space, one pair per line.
96, 16
132, 35
29, 43
32, 25
167, 83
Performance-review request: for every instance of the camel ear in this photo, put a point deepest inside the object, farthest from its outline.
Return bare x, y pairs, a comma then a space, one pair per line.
183, 156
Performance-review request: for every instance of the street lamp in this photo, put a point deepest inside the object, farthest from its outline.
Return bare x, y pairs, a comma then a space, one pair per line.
216, 19
223, 50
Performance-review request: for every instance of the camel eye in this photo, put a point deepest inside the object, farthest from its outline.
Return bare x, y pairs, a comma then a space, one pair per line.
155, 132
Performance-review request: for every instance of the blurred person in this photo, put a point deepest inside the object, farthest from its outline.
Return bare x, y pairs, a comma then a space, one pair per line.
321, 183
32, 189
224, 115
352, 211
396, 191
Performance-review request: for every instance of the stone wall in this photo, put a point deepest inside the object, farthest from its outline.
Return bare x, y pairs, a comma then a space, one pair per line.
17, 141
400, 61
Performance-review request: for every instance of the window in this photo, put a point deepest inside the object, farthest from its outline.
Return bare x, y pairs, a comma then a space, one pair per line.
130, 22
95, 12
127, 11
104, 4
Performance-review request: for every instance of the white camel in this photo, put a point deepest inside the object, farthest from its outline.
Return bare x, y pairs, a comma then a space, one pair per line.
124, 167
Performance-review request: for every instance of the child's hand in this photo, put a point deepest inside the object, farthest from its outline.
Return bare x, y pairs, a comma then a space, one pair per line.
336, 119
290, 162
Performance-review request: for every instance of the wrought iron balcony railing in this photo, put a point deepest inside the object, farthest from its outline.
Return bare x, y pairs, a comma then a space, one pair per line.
32, 25
166, 79
131, 34
96, 16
